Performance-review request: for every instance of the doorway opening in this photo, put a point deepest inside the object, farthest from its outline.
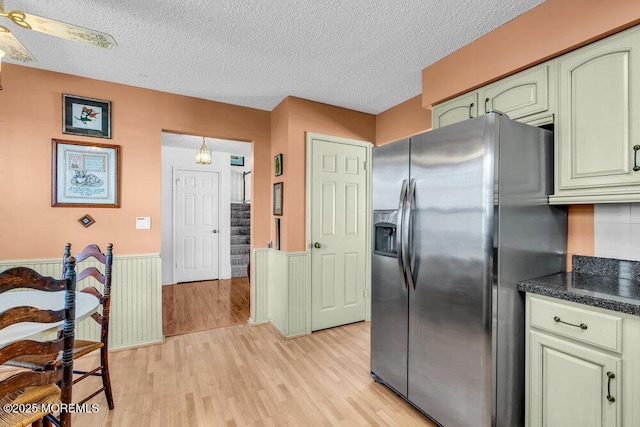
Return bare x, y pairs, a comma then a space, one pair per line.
206, 224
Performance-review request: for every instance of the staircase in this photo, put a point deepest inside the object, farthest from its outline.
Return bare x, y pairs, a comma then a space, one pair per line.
240, 239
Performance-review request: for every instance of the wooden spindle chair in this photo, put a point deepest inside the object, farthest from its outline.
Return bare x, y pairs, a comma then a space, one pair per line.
84, 347
53, 383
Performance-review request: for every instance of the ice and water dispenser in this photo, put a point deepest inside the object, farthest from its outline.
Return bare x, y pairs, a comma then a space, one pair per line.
384, 223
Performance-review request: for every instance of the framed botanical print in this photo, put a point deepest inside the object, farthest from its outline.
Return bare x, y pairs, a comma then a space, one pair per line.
277, 165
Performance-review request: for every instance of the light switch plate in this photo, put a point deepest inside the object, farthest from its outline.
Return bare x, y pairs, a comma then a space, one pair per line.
143, 223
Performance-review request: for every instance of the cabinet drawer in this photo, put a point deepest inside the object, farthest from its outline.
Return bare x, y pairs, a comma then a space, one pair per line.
589, 326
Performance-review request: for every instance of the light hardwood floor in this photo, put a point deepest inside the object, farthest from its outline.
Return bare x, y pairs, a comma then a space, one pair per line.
246, 375
197, 306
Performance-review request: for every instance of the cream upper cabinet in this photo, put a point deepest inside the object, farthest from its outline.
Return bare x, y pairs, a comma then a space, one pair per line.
582, 365
597, 138
520, 95
524, 97
456, 110
592, 96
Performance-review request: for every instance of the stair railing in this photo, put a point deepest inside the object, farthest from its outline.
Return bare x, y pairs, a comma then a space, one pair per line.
244, 187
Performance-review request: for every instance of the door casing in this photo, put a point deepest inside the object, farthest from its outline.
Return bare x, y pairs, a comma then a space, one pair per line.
310, 137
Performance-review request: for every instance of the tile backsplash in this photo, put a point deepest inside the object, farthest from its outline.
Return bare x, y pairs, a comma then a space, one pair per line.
617, 231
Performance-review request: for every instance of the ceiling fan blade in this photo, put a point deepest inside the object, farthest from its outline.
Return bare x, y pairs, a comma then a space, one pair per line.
61, 29
10, 45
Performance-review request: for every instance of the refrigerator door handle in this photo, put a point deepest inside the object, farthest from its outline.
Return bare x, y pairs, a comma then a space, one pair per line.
406, 238
399, 237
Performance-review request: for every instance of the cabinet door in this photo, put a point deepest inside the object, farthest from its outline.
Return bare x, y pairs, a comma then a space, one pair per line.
571, 385
598, 92
520, 95
456, 110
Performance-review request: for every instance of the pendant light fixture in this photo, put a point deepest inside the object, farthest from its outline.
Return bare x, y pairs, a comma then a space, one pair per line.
203, 154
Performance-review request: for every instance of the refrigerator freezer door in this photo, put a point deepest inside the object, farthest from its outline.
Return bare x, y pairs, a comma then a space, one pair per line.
389, 305
450, 341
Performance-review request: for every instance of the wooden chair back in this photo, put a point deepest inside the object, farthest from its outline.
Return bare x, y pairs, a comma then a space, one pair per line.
23, 277
104, 277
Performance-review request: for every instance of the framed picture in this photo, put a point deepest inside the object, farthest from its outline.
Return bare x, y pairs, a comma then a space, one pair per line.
277, 164
86, 116
237, 161
86, 220
85, 174
277, 198
278, 233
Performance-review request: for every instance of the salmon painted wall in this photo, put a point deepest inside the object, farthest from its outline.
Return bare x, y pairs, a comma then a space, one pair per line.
279, 145
580, 232
546, 31
296, 117
31, 115
402, 121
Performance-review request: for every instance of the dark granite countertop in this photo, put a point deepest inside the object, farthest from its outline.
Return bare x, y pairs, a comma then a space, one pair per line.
599, 282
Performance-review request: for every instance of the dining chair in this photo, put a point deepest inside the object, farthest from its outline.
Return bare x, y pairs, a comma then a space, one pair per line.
84, 347
48, 387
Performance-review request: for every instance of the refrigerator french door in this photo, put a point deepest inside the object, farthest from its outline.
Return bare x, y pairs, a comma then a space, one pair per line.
470, 218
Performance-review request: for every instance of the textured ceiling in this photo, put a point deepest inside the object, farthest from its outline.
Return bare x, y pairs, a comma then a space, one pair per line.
366, 55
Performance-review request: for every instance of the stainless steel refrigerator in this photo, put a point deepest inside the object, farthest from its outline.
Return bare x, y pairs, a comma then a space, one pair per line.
460, 215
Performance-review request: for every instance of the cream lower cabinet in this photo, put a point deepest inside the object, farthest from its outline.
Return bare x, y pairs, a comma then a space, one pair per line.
582, 366
598, 131
573, 385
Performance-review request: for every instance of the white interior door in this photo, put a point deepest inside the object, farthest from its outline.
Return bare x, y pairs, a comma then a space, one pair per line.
196, 228
338, 233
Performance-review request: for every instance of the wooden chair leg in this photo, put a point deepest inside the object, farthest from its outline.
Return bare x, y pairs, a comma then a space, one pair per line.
106, 380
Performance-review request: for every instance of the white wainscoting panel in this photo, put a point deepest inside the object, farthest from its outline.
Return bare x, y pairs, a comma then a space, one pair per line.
136, 298
260, 286
297, 309
279, 291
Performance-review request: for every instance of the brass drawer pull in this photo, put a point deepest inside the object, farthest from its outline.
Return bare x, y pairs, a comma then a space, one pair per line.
581, 325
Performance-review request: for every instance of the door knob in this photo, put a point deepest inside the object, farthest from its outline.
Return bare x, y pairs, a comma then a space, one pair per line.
317, 245
214, 231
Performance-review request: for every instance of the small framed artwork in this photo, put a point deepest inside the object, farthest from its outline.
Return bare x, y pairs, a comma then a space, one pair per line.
277, 164
278, 233
237, 161
86, 116
277, 198
85, 174
86, 220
